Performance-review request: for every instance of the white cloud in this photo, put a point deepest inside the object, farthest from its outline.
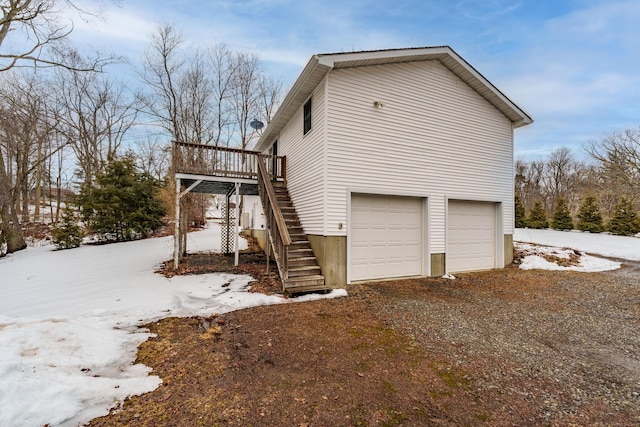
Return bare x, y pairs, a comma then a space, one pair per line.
487, 9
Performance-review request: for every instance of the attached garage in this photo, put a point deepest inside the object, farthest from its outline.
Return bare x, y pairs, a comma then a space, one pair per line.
471, 235
386, 236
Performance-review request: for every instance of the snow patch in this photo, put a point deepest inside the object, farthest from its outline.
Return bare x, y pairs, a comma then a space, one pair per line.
69, 323
552, 258
607, 245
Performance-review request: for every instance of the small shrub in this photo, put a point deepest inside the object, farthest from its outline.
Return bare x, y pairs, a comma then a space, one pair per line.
520, 213
624, 221
537, 216
561, 216
124, 203
67, 233
589, 216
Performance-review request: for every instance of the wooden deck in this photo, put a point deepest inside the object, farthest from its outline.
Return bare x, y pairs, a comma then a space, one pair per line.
217, 170
223, 162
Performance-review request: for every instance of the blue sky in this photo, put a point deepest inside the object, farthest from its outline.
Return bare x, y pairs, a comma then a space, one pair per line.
573, 65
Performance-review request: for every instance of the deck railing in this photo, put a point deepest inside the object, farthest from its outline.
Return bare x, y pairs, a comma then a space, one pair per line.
276, 225
209, 160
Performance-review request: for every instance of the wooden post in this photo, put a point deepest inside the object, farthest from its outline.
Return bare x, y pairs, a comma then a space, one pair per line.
176, 231
237, 236
284, 170
267, 249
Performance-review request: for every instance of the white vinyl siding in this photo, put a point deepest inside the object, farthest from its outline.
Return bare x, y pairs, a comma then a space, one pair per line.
471, 236
433, 135
305, 164
386, 236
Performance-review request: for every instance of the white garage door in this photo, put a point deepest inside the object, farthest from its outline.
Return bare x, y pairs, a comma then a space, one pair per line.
471, 236
386, 236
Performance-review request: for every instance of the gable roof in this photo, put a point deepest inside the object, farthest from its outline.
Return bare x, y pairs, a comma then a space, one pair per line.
320, 65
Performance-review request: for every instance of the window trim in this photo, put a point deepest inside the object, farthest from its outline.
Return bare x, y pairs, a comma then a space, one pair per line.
306, 117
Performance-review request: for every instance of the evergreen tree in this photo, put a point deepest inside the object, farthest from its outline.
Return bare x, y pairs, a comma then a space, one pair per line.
537, 216
520, 214
561, 216
624, 221
67, 233
589, 216
124, 203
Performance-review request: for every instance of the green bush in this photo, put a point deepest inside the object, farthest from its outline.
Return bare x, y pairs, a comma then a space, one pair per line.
520, 213
537, 216
624, 221
67, 233
561, 216
589, 216
124, 203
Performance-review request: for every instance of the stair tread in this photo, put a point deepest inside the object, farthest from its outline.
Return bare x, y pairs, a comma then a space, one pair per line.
301, 253
307, 288
300, 258
303, 267
303, 278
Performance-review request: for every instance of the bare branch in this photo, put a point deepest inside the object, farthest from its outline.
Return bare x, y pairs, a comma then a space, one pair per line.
44, 39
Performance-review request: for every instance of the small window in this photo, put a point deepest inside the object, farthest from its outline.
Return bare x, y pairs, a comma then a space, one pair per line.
307, 116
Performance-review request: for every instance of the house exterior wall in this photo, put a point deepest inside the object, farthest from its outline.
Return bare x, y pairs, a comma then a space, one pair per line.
434, 135
306, 163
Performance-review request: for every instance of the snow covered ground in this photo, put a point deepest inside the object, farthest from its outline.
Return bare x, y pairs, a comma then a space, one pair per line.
552, 258
556, 244
592, 243
69, 323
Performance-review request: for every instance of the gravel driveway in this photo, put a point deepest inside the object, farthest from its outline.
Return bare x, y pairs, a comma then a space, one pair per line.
567, 342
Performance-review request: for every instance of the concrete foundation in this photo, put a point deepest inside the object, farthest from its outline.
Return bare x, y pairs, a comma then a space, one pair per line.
260, 236
331, 252
508, 249
438, 267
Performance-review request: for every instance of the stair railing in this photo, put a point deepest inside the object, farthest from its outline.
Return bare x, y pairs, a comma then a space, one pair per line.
211, 160
276, 226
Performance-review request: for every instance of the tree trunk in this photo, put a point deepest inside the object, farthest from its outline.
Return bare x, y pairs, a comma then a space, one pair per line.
38, 183
10, 227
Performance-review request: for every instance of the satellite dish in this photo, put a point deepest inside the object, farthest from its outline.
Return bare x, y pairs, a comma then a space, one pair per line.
256, 124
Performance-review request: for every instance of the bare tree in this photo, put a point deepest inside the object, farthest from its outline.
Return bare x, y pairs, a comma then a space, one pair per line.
529, 181
617, 158
31, 32
179, 98
559, 175
223, 73
97, 114
270, 92
26, 126
162, 67
31, 35
562, 178
246, 96
195, 109
153, 157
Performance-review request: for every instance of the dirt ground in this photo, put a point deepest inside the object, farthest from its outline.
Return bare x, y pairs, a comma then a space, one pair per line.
499, 348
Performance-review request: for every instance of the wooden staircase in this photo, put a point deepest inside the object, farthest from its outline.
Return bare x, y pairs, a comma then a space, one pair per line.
298, 267
303, 271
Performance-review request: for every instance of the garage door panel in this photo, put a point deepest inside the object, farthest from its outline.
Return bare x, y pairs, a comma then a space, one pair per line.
386, 236
471, 236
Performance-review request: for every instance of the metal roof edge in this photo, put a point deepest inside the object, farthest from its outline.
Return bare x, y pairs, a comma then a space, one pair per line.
275, 126
526, 119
